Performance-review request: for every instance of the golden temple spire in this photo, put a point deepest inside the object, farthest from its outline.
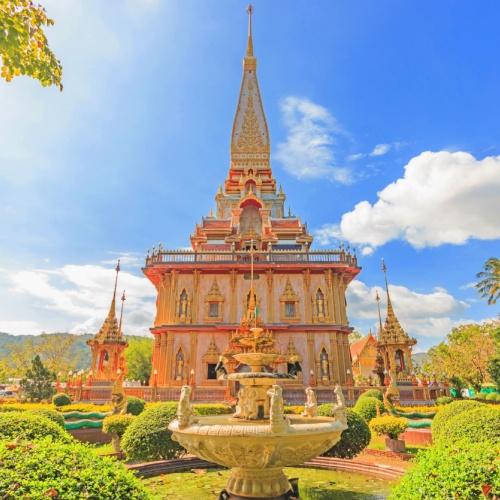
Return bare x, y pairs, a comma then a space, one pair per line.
110, 329
250, 41
393, 331
250, 136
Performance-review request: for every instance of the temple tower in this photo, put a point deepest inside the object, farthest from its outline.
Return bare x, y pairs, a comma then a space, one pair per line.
108, 345
298, 294
394, 343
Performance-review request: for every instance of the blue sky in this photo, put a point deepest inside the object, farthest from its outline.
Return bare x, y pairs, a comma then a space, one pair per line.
132, 152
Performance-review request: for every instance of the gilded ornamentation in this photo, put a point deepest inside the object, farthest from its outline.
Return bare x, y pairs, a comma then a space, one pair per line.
289, 303
213, 303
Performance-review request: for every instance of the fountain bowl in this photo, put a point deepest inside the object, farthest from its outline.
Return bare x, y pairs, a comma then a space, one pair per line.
255, 453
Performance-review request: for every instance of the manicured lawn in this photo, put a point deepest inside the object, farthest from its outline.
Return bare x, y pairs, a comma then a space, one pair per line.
314, 484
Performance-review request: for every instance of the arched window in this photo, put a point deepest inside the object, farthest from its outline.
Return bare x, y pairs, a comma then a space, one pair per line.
320, 305
250, 186
400, 360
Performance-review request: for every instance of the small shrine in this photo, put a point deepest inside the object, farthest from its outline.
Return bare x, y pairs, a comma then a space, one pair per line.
108, 345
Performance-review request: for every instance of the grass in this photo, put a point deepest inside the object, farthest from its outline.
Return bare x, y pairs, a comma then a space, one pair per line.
314, 484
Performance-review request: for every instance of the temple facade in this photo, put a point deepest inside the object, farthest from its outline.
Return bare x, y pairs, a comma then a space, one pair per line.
203, 295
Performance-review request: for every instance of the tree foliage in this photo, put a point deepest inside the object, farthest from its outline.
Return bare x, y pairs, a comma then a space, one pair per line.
489, 286
465, 354
24, 48
138, 355
37, 383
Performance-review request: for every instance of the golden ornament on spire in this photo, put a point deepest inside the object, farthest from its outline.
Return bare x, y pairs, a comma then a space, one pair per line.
250, 41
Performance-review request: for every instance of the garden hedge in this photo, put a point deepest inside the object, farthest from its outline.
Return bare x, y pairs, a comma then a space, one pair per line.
443, 416
444, 400
372, 393
68, 471
455, 470
61, 399
367, 407
478, 424
135, 406
148, 438
24, 426
353, 440
53, 415
212, 409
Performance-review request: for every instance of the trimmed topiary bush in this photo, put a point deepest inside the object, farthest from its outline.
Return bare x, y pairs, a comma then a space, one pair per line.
440, 421
53, 415
459, 470
135, 406
353, 440
27, 427
45, 469
372, 393
117, 424
61, 399
294, 410
478, 424
367, 407
444, 400
388, 426
148, 438
212, 409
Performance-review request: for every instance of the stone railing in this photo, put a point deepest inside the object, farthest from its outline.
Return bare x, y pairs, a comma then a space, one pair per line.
243, 257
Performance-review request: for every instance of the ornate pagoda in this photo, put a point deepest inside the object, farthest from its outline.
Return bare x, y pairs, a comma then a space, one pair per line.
108, 345
298, 294
394, 344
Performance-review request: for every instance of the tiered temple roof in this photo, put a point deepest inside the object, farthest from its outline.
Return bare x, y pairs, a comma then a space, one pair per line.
249, 207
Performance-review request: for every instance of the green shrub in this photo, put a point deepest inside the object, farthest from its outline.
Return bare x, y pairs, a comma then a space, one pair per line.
135, 406
458, 470
61, 399
212, 409
367, 407
353, 440
492, 396
294, 410
27, 427
148, 438
444, 400
46, 469
479, 424
53, 415
440, 421
117, 424
388, 426
372, 393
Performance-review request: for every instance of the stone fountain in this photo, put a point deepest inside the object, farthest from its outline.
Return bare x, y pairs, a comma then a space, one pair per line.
258, 440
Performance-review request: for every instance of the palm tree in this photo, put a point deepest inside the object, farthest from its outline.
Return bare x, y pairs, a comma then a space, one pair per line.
489, 286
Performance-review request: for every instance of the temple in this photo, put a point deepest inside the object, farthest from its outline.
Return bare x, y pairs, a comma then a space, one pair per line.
206, 297
108, 345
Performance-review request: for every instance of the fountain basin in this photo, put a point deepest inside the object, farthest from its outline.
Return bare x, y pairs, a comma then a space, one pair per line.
256, 360
256, 454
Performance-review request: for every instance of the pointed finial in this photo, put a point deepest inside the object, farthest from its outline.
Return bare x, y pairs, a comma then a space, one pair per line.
384, 270
250, 41
289, 212
377, 298
121, 313
117, 269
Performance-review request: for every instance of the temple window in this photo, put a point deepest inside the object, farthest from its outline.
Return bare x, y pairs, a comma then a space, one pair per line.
213, 303
290, 309
289, 303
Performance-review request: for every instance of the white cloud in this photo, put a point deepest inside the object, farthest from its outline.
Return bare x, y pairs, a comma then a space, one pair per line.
308, 149
443, 197
82, 293
420, 314
380, 150
21, 327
